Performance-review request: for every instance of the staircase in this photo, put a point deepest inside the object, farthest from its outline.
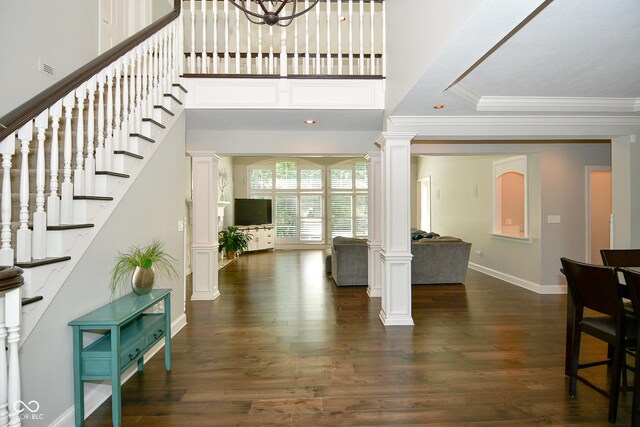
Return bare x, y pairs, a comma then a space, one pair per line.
68, 158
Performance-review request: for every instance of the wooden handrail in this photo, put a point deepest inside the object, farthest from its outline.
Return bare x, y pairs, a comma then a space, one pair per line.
13, 120
10, 278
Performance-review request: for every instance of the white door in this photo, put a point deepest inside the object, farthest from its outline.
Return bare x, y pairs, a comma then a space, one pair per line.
113, 23
424, 203
598, 212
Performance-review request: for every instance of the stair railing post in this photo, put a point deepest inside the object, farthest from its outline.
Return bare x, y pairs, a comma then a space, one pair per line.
117, 112
12, 309
53, 200
90, 163
107, 161
23, 244
205, 58
4, 380
39, 248
192, 52
99, 164
7, 148
78, 175
145, 80
128, 97
136, 117
66, 200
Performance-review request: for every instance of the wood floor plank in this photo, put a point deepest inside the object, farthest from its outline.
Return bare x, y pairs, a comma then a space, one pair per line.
284, 346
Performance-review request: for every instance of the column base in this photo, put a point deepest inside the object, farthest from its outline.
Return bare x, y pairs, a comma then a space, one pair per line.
396, 295
396, 320
374, 288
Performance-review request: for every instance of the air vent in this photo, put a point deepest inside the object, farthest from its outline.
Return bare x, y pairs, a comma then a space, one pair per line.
45, 68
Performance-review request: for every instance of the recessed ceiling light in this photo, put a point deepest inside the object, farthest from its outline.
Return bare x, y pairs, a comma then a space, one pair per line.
309, 122
438, 107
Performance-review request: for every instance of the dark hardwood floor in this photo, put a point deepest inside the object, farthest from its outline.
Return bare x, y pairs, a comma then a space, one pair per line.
284, 346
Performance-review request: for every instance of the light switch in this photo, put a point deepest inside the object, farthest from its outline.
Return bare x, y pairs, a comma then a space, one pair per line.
553, 219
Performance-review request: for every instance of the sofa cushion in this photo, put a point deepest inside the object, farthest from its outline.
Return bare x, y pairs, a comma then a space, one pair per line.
339, 240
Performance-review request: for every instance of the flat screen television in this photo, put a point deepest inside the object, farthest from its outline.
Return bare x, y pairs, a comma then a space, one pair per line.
252, 212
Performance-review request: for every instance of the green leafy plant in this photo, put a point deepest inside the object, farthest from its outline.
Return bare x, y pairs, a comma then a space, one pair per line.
153, 255
233, 241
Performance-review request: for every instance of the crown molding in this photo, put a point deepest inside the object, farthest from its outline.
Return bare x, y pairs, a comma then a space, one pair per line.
558, 104
545, 104
514, 120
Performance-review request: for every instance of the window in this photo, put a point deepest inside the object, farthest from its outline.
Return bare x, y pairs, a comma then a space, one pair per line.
349, 199
298, 191
510, 197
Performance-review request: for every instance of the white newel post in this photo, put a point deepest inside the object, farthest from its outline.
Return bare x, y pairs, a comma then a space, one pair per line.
396, 223
204, 245
374, 290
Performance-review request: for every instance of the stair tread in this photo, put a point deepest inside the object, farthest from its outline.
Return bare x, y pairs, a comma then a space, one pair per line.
175, 98
69, 227
128, 153
141, 136
31, 300
179, 86
40, 262
116, 174
165, 109
92, 198
155, 122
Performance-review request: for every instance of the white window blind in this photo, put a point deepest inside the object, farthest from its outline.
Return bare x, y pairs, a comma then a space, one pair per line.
261, 179
287, 216
362, 176
311, 179
362, 215
286, 176
341, 179
341, 215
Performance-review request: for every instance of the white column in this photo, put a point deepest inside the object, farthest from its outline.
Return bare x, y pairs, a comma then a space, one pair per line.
395, 249
625, 153
204, 245
374, 290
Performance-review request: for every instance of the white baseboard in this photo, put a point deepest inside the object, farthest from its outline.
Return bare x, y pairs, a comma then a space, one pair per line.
531, 286
99, 393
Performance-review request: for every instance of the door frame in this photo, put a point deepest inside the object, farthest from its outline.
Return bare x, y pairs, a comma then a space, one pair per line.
424, 181
588, 171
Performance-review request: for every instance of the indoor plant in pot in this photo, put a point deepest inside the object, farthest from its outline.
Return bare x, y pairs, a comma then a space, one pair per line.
233, 241
141, 263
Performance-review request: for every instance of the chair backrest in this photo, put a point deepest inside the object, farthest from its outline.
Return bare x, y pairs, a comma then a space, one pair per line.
632, 279
621, 257
593, 286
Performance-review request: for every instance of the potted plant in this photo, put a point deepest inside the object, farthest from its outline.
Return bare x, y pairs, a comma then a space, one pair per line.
233, 241
140, 263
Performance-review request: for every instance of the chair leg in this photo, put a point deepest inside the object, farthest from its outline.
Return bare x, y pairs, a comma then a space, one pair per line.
575, 356
614, 393
610, 354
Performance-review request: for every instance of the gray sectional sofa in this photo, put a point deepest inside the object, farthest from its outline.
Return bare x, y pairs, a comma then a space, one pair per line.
435, 260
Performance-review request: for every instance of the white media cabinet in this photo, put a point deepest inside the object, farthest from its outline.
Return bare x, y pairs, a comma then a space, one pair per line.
262, 236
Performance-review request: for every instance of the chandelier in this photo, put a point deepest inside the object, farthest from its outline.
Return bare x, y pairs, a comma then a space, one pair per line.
272, 12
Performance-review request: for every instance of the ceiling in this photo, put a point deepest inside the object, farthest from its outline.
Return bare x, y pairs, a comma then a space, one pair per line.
572, 57
568, 57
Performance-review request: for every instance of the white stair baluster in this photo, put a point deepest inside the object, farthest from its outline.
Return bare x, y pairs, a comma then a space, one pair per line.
39, 234
192, 55
283, 52
226, 36
6, 251
307, 52
153, 70
318, 62
66, 200
78, 175
271, 61
214, 59
249, 50
296, 59
361, 37
135, 119
108, 141
53, 201
205, 57
117, 110
165, 64
180, 43
128, 98
350, 36
144, 112
4, 405
23, 245
384, 42
339, 16
372, 61
90, 163
329, 58
99, 164
12, 308
259, 60
238, 59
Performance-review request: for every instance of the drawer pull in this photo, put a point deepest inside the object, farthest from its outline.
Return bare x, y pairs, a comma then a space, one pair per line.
158, 334
133, 356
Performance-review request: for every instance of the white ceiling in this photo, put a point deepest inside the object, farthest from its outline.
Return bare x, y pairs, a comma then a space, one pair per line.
573, 57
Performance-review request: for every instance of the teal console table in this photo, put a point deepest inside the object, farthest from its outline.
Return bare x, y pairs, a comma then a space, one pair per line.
128, 333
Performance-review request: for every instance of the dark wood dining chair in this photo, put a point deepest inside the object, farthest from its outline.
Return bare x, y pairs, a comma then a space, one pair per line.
597, 288
620, 257
632, 279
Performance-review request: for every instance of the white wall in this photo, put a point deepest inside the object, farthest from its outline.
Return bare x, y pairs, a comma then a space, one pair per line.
421, 31
64, 33
556, 185
46, 356
275, 143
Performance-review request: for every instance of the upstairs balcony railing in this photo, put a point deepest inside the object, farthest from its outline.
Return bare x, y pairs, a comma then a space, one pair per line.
339, 38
